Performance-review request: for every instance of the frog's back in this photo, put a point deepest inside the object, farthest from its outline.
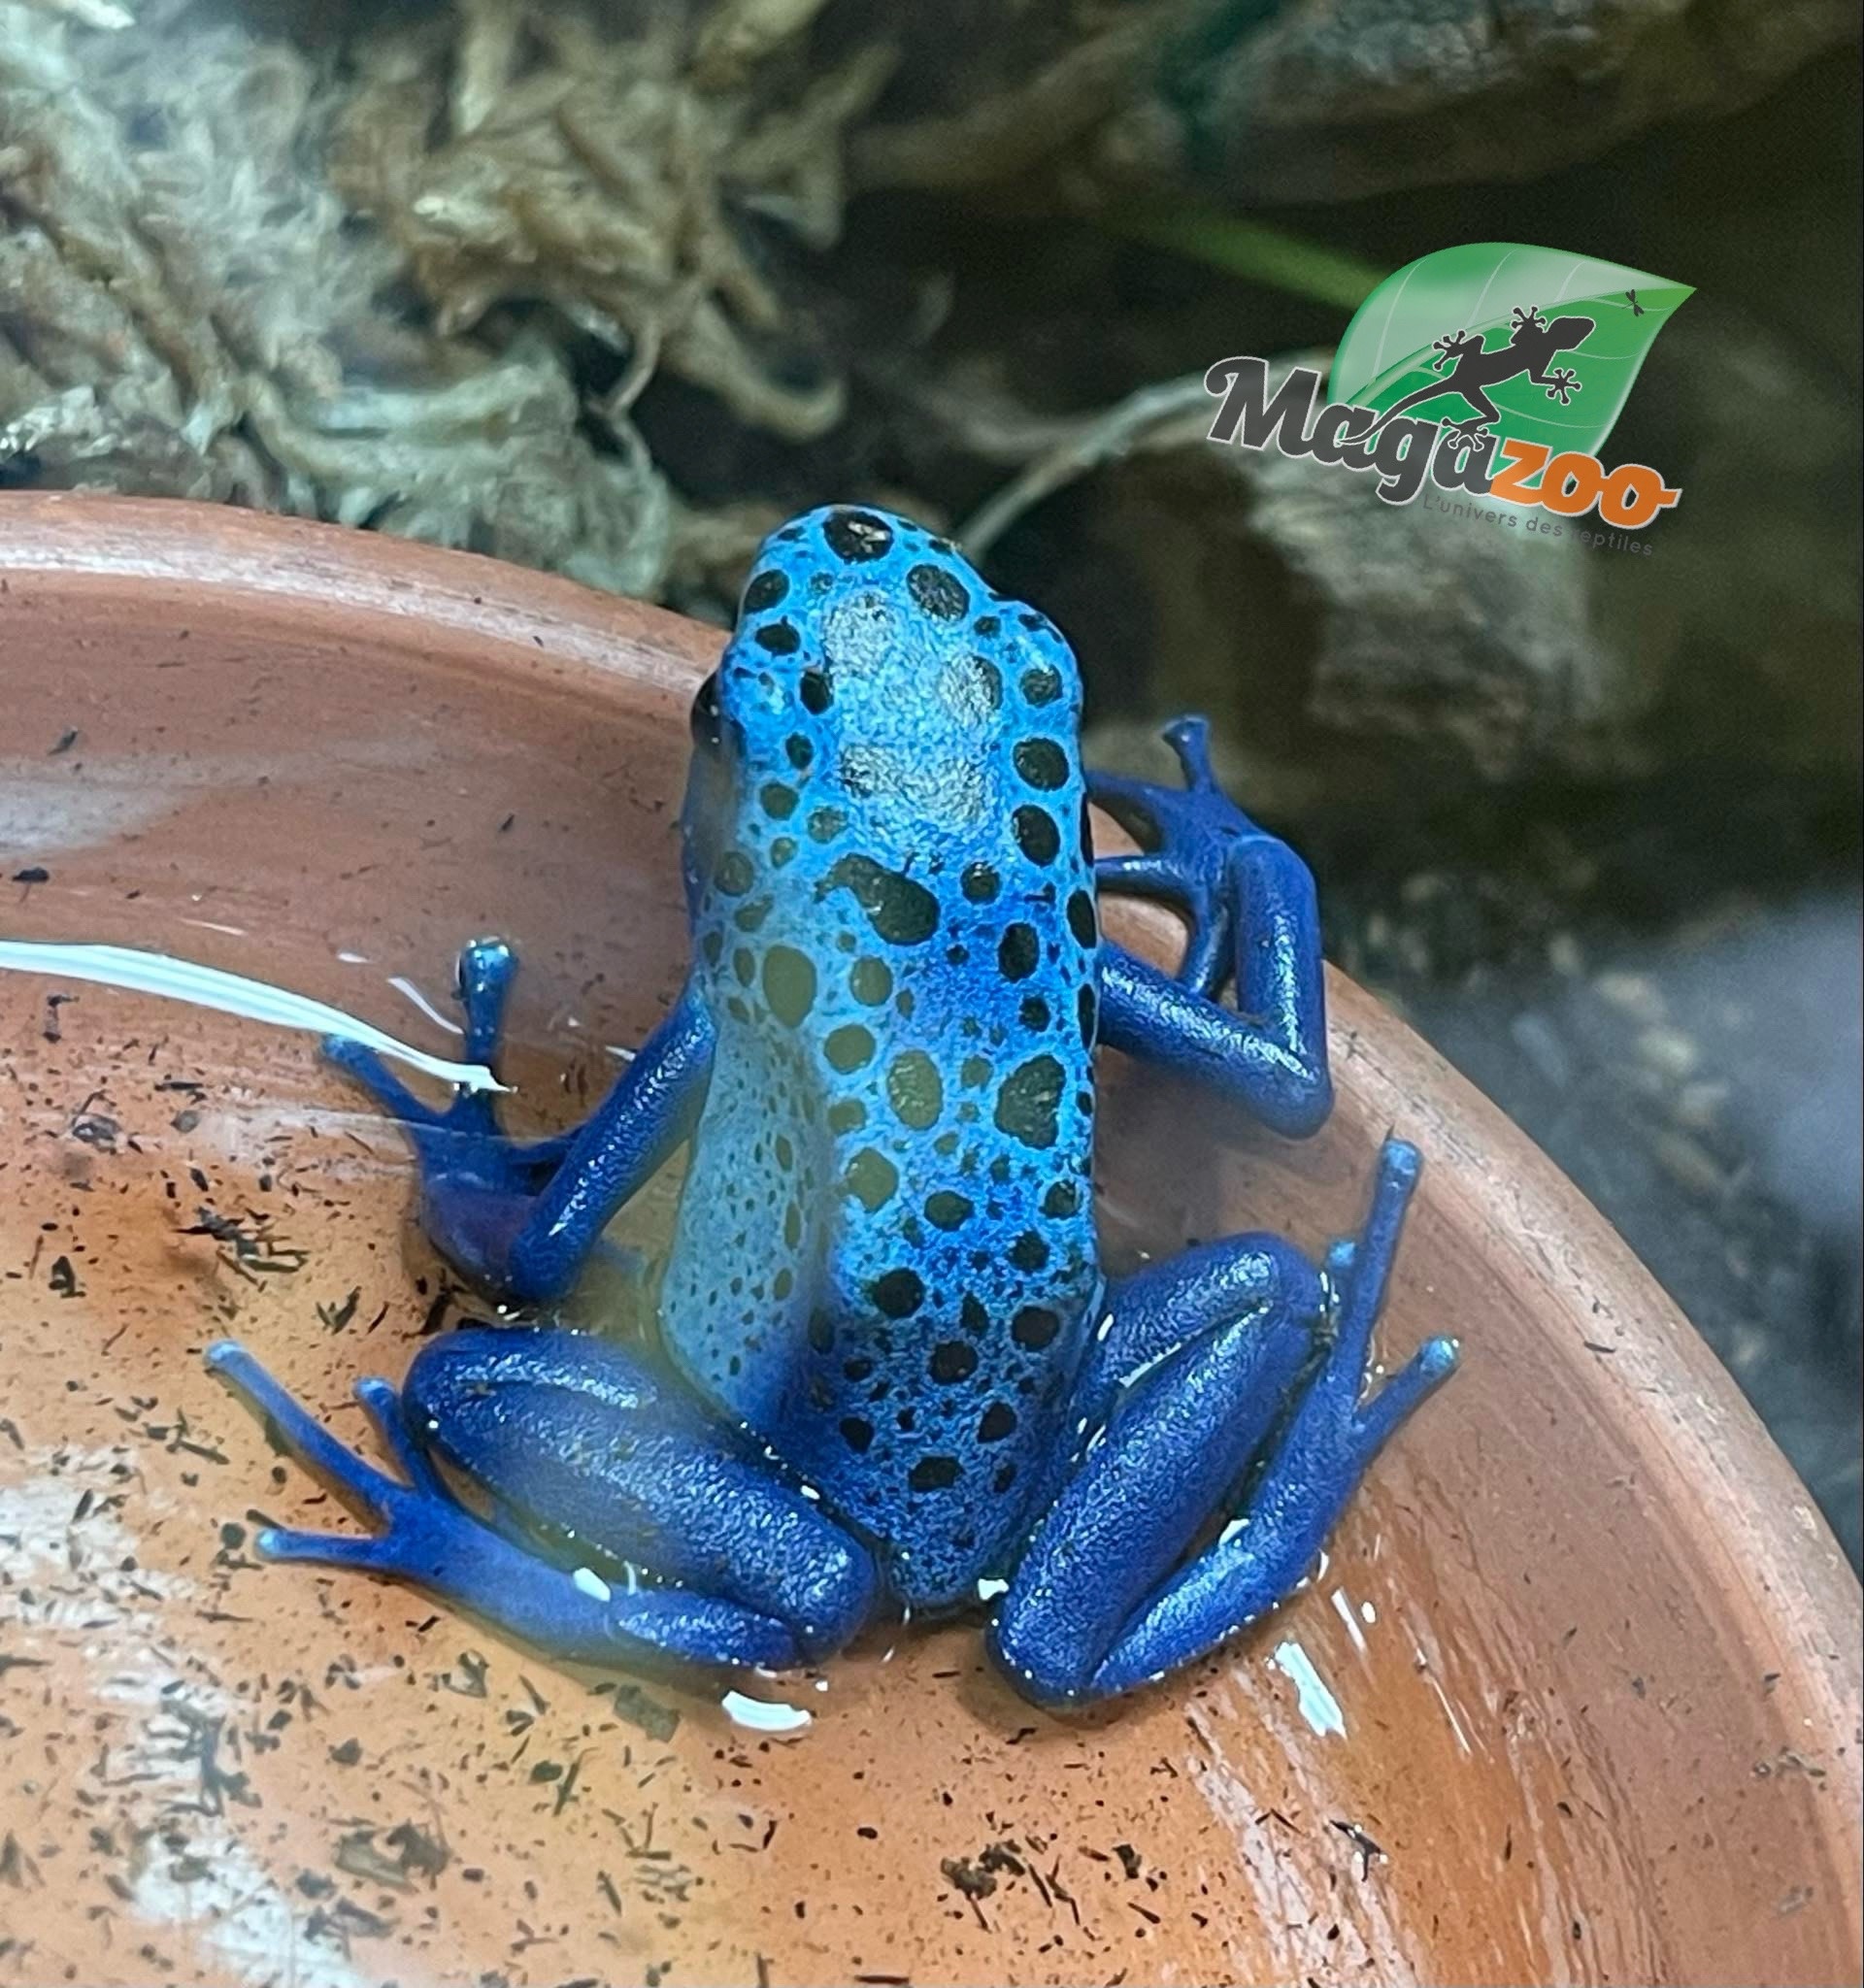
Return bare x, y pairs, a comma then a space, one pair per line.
885, 1261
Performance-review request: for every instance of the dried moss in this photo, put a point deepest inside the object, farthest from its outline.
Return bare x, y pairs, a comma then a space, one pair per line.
342, 278
523, 151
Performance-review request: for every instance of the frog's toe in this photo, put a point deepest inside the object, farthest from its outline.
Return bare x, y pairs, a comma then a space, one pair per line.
364, 1067
1146, 873
1189, 737
1335, 1428
382, 1403
1342, 1252
299, 1433
478, 1188
1406, 1391
1149, 807
1155, 874
360, 1550
483, 977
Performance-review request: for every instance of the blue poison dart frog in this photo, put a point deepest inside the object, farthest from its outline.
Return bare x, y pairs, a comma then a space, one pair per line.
888, 1370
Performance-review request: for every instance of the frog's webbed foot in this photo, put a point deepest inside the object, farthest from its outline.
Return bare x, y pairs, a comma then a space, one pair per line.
1188, 835
380, 1497
425, 1537
1103, 1599
478, 1186
521, 1219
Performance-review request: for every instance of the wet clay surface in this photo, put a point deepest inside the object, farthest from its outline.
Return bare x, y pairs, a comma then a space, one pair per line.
1573, 1698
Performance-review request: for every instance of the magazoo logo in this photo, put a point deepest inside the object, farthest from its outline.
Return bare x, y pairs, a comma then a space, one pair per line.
1513, 405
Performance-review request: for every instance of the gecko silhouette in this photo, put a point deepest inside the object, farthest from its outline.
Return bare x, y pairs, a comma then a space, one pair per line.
1473, 370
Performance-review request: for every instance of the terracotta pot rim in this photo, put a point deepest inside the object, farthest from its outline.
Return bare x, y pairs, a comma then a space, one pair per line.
331, 572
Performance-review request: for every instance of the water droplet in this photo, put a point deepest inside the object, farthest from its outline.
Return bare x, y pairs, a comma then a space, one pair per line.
765, 1715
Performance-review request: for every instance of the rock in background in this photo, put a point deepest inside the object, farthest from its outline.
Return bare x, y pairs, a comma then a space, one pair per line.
1258, 102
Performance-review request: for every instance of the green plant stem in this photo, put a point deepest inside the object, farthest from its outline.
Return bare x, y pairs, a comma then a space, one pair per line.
1250, 249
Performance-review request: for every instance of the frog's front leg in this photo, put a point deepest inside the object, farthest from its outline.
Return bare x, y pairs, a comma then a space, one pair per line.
521, 1219
1201, 852
1254, 919
1103, 1599
702, 1554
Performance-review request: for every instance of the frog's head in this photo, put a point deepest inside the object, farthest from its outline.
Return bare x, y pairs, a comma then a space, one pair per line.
877, 693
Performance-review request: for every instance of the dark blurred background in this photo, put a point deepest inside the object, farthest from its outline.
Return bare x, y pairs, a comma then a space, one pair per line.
612, 288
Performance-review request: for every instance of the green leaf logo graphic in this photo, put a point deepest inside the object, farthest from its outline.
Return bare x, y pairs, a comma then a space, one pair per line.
1538, 343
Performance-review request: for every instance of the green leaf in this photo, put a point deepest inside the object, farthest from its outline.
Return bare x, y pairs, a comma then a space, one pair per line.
1389, 349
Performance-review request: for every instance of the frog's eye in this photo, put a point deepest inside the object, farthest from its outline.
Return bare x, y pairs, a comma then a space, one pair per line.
707, 722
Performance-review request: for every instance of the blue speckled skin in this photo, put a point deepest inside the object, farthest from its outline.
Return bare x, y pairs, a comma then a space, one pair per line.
889, 1267
887, 1364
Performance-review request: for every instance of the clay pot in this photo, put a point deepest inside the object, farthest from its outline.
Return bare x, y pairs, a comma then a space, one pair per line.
1575, 1696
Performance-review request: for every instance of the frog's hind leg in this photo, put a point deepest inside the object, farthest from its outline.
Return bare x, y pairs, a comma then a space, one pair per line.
1254, 920
429, 1539
573, 1435
519, 1218
1162, 1307
1104, 1599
